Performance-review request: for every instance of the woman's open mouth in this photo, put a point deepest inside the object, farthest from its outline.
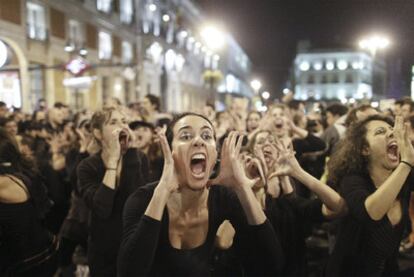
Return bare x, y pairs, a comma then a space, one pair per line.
123, 139
279, 123
198, 165
392, 152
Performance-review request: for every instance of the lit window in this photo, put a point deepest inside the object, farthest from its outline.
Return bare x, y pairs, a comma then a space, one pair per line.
330, 65
127, 11
75, 32
36, 21
317, 66
104, 5
127, 52
304, 66
342, 65
105, 46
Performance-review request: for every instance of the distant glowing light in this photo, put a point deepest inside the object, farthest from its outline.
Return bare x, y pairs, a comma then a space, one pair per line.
357, 65
256, 85
152, 7
213, 37
351, 100
265, 95
304, 66
342, 65
183, 34
165, 18
374, 42
375, 104
286, 91
330, 65
317, 66
262, 109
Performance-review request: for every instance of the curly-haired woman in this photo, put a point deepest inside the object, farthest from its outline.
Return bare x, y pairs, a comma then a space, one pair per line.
372, 169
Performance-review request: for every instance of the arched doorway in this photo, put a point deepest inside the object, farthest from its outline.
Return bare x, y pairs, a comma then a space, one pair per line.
14, 83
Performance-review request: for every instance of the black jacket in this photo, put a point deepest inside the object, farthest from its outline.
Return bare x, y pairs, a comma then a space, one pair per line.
106, 207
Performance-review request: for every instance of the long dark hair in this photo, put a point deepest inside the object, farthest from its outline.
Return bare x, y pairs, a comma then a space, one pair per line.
13, 163
349, 158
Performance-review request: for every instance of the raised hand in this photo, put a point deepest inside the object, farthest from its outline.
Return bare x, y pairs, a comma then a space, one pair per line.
258, 152
286, 163
83, 141
111, 149
253, 168
232, 173
169, 181
405, 146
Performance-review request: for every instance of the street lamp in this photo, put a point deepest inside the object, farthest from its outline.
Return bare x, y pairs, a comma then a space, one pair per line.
265, 95
213, 37
256, 85
374, 43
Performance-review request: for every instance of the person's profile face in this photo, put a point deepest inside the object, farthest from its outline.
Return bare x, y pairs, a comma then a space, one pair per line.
382, 145
117, 121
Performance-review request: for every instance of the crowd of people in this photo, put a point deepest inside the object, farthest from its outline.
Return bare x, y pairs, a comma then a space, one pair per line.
225, 193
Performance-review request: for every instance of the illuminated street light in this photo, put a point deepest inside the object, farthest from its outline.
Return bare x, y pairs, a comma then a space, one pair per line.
152, 7
256, 85
165, 18
265, 95
373, 43
213, 37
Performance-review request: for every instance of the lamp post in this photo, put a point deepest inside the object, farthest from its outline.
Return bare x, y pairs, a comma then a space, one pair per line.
374, 43
214, 40
256, 85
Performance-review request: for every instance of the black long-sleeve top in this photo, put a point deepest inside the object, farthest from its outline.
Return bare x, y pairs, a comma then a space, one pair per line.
292, 218
366, 247
106, 207
146, 249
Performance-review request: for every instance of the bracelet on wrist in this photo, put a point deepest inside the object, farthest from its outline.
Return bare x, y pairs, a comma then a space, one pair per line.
407, 163
111, 168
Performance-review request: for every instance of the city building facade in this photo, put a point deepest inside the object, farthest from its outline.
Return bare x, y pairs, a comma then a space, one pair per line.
81, 52
51, 42
341, 75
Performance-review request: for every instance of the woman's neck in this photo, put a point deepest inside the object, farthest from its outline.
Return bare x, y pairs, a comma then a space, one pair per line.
187, 200
378, 174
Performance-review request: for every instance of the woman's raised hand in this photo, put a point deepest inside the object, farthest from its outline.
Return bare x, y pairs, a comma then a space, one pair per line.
111, 149
169, 178
232, 173
405, 146
286, 163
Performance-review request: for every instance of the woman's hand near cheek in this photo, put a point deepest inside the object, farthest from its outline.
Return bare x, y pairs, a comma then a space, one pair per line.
168, 183
232, 173
169, 178
111, 149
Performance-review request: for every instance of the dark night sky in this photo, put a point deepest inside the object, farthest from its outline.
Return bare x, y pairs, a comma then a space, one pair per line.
269, 30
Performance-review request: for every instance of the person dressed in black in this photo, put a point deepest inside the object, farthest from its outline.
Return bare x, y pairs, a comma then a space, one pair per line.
291, 215
170, 227
105, 180
26, 246
372, 168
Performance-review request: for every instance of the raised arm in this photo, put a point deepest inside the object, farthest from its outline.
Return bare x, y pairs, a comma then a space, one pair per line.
379, 202
142, 222
287, 164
